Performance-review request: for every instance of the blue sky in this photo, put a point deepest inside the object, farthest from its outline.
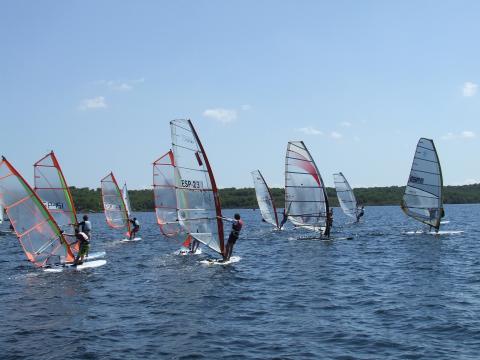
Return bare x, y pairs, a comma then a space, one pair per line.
358, 81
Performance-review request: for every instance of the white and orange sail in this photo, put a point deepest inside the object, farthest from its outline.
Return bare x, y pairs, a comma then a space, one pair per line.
165, 198
116, 212
35, 227
198, 204
51, 187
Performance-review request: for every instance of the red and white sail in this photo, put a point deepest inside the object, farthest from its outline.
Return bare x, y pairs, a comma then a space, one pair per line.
306, 201
198, 204
114, 204
36, 229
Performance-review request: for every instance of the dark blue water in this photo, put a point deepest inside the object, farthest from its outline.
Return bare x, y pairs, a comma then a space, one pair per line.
383, 294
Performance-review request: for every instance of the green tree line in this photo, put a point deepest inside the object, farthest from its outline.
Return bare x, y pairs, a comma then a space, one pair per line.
142, 200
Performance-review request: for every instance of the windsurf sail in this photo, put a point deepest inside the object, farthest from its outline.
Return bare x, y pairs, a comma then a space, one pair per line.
1, 214
126, 200
265, 199
36, 229
345, 195
306, 201
423, 195
114, 204
198, 204
51, 187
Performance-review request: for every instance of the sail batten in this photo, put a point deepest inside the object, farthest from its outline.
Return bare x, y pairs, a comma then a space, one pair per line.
422, 199
36, 229
198, 204
345, 195
306, 201
265, 199
114, 206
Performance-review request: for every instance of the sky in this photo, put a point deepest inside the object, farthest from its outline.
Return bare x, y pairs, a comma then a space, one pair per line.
358, 81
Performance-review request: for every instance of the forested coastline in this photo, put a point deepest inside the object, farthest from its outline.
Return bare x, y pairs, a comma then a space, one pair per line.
142, 200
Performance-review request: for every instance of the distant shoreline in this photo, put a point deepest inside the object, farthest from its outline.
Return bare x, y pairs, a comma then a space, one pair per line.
90, 200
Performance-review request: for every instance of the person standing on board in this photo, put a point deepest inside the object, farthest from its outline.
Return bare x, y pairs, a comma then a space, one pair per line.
194, 244
85, 226
360, 213
136, 227
83, 245
329, 223
237, 225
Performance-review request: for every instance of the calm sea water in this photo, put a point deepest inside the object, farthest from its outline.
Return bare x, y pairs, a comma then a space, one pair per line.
383, 294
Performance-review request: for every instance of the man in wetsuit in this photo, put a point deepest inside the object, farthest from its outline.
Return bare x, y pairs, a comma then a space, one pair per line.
360, 213
329, 223
136, 227
85, 226
84, 242
237, 225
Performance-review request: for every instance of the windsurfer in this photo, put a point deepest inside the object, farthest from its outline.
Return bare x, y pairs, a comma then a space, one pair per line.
85, 226
237, 225
329, 223
360, 213
194, 244
84, 245
136, 227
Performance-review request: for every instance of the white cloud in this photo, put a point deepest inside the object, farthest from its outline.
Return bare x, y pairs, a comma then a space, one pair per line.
246, 107
335, 135
346, 124
118, 85
469, 89
224, 116
94, 103
466, 134
309, 130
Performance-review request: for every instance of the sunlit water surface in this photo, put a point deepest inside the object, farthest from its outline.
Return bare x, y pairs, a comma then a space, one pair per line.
383, 294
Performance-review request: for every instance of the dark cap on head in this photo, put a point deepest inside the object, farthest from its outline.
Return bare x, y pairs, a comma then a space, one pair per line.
237, 216
85, 217
134, 218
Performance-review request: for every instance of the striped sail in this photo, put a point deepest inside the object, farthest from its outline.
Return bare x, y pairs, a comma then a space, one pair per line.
198, 203
423, 194
306, 202
51, 187
113, 204
345, 195
265, 199
36, 229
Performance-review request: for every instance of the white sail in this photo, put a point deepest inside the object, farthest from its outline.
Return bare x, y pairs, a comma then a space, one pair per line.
306, 201
265, 199
423, 194
126, 199
1, 214
198, 204
345, 195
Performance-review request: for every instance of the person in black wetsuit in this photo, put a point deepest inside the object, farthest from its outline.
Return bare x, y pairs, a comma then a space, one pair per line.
360, 213
237, 225
329, 223
136, 227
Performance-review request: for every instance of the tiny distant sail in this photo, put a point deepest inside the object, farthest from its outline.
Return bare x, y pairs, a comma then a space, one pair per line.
198, 203
113, 204
165, 195
126, 200
306, 201
51, 187
265, 199
36, 229
1, 214
423, 195
345, 195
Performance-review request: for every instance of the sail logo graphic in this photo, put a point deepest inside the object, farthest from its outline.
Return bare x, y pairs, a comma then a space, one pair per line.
112, 207
188, 139
191, 184
54, 205
416, 179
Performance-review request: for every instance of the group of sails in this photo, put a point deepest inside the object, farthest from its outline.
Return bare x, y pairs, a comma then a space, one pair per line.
306, 199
